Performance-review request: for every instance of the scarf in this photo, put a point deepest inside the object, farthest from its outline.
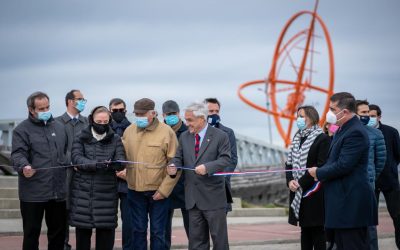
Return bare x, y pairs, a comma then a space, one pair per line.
298, 159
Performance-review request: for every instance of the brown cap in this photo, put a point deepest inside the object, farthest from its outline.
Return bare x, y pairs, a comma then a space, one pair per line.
143, 105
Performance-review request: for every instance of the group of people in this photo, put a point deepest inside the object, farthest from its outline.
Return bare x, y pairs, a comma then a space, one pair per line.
74, 170
336, 174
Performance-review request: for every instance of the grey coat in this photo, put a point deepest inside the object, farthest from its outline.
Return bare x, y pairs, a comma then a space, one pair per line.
72, 129
206, 192
41, 146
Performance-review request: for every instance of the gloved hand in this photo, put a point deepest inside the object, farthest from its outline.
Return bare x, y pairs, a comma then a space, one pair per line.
117, 166
103, 164
89, 167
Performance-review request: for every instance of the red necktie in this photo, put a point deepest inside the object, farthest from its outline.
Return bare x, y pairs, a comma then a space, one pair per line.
197, 145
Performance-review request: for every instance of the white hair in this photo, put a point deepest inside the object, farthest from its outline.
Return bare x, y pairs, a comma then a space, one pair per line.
199, 109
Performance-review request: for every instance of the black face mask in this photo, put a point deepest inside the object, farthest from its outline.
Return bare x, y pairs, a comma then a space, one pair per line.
364, 119
118, 116
100, 128
213, 119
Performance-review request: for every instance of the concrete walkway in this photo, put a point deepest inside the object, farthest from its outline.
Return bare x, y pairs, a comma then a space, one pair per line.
244, 233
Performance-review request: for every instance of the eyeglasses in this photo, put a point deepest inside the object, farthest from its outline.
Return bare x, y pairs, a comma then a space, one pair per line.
118, 110
80, 99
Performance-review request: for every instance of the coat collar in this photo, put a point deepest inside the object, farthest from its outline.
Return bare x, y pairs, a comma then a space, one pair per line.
66, 118
39, 122
87, 136
342, 130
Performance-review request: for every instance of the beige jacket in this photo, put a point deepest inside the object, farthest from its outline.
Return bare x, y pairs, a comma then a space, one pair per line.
155, 146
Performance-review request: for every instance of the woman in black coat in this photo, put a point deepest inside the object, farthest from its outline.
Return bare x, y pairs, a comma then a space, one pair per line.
309, 148
94, 194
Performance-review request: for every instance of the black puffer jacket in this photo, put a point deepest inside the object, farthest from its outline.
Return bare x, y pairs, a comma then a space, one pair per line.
94, 197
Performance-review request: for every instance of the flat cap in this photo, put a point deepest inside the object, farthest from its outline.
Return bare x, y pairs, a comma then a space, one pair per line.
170, 106
143, 105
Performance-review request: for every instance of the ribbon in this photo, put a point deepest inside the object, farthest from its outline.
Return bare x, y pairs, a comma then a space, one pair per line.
241, 173
313, 189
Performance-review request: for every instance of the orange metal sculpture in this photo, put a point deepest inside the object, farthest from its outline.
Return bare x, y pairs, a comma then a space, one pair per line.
302, 79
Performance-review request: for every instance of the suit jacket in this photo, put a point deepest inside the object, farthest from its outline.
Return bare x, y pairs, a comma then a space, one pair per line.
207, 192
349, 198
389, 178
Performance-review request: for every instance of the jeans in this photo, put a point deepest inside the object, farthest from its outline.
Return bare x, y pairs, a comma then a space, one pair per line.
126, 217
143, 207
392, 198
55, 217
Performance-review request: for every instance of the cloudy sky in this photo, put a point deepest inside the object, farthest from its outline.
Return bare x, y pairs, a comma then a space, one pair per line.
186, 50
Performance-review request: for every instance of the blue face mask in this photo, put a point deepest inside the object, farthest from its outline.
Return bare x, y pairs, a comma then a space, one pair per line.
372, 122
80, 105
171, 120
44, 116
213, 119
364, 119
142, 122
301, 123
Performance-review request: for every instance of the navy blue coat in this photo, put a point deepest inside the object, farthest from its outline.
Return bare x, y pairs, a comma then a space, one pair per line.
349, 198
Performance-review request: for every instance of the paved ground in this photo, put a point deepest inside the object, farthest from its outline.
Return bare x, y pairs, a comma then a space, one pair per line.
245, 233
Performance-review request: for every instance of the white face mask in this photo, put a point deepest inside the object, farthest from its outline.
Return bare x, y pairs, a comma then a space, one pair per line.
332, 118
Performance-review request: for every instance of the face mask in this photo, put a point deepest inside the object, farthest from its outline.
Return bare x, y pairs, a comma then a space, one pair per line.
118, 116
373, 122
333, 128
364, 119
100, 128
301, 123
213, 119
332, 118
80, 105
44, 116
171, 120
142, 122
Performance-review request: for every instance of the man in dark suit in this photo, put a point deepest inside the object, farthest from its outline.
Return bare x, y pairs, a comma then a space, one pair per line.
350, 205
73, 123
388, 181
207, 151
214, 120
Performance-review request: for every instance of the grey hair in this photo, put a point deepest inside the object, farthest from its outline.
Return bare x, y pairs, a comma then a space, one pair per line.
199, 109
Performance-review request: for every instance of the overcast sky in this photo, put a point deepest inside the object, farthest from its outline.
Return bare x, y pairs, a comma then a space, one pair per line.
186, 51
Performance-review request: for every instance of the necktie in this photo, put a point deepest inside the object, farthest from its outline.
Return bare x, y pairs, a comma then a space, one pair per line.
197, 145
74, 120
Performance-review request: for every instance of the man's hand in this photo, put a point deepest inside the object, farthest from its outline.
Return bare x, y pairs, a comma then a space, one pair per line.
171, 169
28, 171
313, 172
121, 174
201, 170
293, 185
157, 196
